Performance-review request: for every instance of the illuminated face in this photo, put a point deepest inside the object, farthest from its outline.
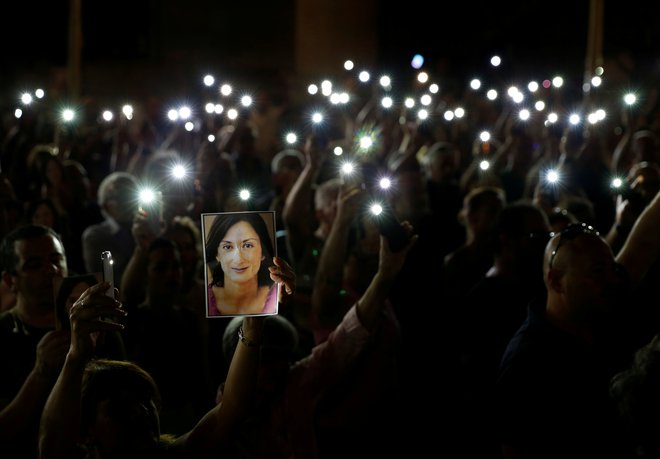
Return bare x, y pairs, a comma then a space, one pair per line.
240, 254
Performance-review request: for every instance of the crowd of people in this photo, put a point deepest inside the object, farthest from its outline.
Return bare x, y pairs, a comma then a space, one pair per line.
513, 316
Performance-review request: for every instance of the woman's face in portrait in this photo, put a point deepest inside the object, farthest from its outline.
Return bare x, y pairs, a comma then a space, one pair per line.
239, 253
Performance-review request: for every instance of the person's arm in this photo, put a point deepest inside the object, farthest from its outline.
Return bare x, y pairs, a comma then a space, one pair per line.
59, 432
25, 408
133, 281
642, 247
330, 270
216, 428
296, 212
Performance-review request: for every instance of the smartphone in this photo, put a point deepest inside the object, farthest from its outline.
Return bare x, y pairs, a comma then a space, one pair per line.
390, 227
108, 272
154, 210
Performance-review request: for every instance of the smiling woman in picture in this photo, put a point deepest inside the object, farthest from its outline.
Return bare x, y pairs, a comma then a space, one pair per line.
239, 253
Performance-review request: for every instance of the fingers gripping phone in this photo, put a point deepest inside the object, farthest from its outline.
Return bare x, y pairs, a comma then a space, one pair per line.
108, 272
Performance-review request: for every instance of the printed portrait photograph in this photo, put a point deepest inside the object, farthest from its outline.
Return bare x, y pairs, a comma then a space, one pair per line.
238, 250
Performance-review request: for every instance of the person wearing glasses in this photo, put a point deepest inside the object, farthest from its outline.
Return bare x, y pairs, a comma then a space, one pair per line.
552, 389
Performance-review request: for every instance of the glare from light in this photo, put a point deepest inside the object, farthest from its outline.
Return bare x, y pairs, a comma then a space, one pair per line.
409, 102
601, 114
226, 89
491, 94
209, 80
18, 113
385, 183
459, 112
172, 114
599, 71
348, 65
495, 61
422, 114
211, 138
524, 114
344, 98
347, 168
364, 76
189, 126
592, 118
334, 98
512, 91
553, 117
557, 82
232, 113
218, 109
387, 102
417, 61
244, 194
376, 209
574, 119
449, 115
422, 77
39, 93
68, 114
147, 196
617, 182
475, 83
484, 136
630, 98
179, 170
26, 98
484, 165
366, 142
596, 81
518, 97
291, 138
425, 100
246, 101
312, 89
434, 88
539, 105
338, 151
185, 112
209, 107
552, 176
317, 117
533, 86
385, 81
107, 115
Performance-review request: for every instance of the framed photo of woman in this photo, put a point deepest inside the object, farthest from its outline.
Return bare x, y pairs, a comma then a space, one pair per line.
238, 250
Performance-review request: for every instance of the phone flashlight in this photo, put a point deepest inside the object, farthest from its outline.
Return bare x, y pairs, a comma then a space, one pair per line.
151, 203
108, 272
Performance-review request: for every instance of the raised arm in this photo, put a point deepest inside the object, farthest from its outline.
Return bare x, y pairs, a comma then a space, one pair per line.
642, 247
60, 427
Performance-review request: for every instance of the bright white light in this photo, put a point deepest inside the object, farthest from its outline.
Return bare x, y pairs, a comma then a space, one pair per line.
422, 77
326, 87
592, 118
574, 119
334, 98
434, 88
18, 113
209, 107
209, 80
524, 114
495, 61
518, 97
385, 81
189, 126
317, 117
185, 112
232, 113
557, 82
218, 109
533, 86
172, 114
630, 98
539, 105
475, 84
449, 115
484, 165
596, 81
244, 194
491, 94
599, 71
312, 89
617, 182
338, 151
348, 65
364, 76
422, 114
39, 93
459, 112
147, 196
26, 98
484, 136
387, 102
127, 110
552, 176
225, 89
366, 142
179, 171
347, 168
385, 183
553, 117
246, 101
376, 209
601, 114
409, 102
291, 138
211, 138
68, 114
107, 115
426, 100
344, 98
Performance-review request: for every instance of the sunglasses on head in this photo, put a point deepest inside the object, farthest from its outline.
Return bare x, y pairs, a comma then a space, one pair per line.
570, 233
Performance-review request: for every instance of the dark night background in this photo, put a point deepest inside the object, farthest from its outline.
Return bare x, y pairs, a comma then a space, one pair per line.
160, 46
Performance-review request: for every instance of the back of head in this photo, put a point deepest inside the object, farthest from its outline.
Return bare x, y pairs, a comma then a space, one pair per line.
112, 184
520, 219
287, 158
111, 379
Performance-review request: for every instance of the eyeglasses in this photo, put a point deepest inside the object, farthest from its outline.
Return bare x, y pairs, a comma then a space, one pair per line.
570, 233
